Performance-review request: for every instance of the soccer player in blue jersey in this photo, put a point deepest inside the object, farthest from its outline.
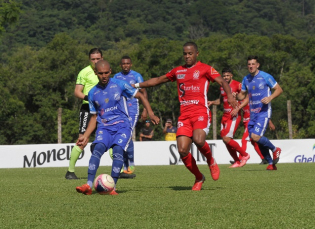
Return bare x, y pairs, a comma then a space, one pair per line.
258, 84
107, 102
132, 77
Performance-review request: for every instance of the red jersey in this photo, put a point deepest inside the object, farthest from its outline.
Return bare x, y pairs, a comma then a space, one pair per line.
246, 113
192, 85
235, 87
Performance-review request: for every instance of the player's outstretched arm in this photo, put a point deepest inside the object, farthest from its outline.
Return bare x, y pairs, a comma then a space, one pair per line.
78, 91
84, 140
227, 89
277, 91
155, 120
151, 82
241, 95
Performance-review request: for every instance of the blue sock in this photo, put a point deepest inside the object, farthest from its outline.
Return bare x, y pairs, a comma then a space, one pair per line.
265, 152
94, 163
118, 161
265, 142
130, 153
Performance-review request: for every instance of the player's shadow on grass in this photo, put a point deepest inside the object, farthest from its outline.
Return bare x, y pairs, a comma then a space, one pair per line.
185, 188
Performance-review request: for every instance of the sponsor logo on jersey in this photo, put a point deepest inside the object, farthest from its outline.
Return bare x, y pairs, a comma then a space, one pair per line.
106, 100
256, 102
196, 75
256, 94
257, 110
104, 92
120, 141
124, 135
227, 110
179, 124
117, 96
200, 118
261, 86
98, 91
180, 76
183, 70
213, 71
110, 109
189, 102
253, 87
113, 86
192, 88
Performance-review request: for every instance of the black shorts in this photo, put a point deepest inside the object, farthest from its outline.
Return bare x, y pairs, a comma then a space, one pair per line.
84, 117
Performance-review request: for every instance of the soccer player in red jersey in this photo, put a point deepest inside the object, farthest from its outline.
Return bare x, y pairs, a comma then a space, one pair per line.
231, 119
193, 80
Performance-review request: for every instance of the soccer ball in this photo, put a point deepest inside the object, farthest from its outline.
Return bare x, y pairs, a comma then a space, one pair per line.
104, 184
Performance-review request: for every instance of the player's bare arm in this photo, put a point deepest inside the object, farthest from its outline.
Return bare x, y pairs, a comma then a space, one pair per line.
84, 139
241, 95
155, 120
152, 82
78, 91
227, 89
214, 102
277, 91
144, 113
237, 109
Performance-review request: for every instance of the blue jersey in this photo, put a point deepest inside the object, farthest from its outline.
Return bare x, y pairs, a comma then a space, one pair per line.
109, 102
132, 78
258, 87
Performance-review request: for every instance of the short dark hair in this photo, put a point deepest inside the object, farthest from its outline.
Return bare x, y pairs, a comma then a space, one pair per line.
190, 43
95, 50
125, 58
226, 70
252, 57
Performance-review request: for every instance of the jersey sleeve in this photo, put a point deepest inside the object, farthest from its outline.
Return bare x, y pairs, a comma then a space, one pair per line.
244, 88
139, 78
171, 75
271, 82
81, 78
212, 74
127, 90
92, 105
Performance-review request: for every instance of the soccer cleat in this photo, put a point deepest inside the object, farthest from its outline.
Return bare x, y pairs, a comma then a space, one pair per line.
71, 176
276, 155
214, 170
263, 162
130, 170
113, 193
198, 184
271, 167
244, 160
232, 162
235, 165
84, 189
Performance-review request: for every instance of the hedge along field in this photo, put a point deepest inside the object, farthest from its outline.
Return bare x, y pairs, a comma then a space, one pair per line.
161, 197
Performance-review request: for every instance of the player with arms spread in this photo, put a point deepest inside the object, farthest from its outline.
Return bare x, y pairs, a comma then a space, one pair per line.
193, 80
107, 102
231, 119
257, 85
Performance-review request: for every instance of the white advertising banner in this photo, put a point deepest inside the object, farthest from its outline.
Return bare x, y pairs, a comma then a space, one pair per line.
146, 153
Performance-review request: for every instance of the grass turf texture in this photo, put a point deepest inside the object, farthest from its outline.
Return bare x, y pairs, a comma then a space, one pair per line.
161, 197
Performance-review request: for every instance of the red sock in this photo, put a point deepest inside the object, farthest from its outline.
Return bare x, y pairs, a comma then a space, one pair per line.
257, 148
237, 147
244, 143
190, 163
206, 151
232, 152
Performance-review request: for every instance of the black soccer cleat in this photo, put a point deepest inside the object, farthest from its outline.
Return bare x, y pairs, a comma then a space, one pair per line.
263, 162
71, 176
127, 176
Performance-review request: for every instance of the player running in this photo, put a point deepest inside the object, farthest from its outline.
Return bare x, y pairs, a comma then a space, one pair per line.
107, 104
257, 85
230, 120
131, 77
193, 80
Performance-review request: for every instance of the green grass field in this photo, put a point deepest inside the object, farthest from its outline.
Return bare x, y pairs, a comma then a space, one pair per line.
161, 197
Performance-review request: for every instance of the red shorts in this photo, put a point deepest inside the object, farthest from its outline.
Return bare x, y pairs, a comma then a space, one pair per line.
229, 125
187, 123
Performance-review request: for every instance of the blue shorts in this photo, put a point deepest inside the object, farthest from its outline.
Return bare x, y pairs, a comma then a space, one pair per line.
258, 125
118, 134
133, 117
